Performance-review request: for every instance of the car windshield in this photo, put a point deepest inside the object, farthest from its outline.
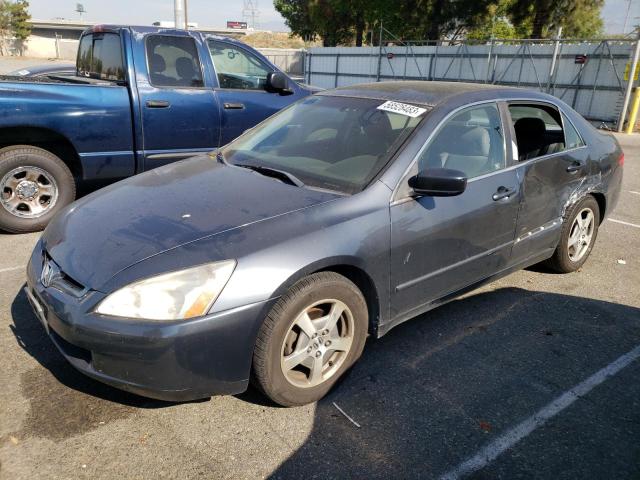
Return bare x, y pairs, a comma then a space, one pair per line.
333, 143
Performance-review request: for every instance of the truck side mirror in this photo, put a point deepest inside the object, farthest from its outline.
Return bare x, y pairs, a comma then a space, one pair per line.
278, 82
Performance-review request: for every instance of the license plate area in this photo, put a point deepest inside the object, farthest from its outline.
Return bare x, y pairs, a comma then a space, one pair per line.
38, 308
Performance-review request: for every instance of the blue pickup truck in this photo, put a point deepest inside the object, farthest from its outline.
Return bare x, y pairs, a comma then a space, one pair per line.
141, 97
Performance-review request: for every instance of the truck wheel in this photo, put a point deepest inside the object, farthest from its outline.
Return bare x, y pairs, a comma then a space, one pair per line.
312, 335
578, 236
34, 185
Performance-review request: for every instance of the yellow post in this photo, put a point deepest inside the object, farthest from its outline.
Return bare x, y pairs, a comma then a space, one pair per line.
634, 111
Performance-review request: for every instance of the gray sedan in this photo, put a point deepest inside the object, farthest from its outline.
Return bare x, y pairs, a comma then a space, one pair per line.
356, 209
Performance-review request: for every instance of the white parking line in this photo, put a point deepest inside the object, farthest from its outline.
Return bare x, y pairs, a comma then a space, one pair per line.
507, 440
634, 192
11, 269
624, 223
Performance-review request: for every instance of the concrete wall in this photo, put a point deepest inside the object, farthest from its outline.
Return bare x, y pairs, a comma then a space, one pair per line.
42, 47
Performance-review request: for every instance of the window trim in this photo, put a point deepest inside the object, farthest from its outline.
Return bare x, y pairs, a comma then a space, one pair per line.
173, 87
93, 34
237, 47
563, 115
395, 199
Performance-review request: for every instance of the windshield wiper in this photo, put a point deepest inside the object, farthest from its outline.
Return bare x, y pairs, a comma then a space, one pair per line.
286, 177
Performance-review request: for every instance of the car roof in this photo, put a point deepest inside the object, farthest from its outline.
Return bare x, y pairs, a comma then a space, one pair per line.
430, 93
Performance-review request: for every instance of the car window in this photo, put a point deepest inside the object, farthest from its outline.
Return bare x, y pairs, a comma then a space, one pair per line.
100, 56
571, 135
538, 130
333, 143
472, 141
173, 61
237, 68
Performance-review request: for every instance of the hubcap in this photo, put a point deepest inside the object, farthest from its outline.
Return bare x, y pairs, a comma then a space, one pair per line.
581, 234
317, 343
28, 192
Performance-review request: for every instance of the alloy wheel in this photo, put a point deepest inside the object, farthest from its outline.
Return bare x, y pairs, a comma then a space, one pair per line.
581, 234
317, 343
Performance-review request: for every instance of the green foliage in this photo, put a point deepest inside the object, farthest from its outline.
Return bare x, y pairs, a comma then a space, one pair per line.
19, 14
578, 18
14, 18
339, 22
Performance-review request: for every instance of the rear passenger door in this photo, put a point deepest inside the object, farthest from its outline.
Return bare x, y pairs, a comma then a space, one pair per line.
443, 244
180, 114
552, 166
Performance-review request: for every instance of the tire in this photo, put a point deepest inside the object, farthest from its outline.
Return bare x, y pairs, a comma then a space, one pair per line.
281, 338
34, 185
566, 258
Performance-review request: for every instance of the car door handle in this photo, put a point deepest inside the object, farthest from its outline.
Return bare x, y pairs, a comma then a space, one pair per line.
502, 192
234, 106
574, 167
157, 104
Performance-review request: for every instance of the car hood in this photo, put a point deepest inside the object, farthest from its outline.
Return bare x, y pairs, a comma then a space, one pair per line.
130, 221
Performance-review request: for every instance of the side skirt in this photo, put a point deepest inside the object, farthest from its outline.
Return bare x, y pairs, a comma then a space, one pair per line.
385, 328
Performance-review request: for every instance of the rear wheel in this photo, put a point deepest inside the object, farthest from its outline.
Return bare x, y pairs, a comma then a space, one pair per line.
34, 185
578, 236
312, 335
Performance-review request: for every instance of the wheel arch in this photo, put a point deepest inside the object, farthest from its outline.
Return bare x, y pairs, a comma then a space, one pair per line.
602, 204
44, 138
353, 270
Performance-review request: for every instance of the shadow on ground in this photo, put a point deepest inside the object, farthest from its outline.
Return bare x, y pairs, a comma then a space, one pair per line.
435, 390
426, 396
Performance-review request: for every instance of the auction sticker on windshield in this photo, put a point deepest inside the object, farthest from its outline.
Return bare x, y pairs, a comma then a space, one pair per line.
402, 109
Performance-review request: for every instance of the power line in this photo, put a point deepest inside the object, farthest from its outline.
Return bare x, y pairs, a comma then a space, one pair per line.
251, 13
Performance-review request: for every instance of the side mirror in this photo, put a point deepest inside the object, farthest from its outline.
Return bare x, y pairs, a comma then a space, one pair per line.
438, 182
278, 82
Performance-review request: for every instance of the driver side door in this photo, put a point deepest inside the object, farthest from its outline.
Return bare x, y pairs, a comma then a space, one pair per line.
242, 79
440, 245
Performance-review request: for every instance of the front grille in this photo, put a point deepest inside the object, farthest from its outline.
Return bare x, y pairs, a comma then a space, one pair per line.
52, 276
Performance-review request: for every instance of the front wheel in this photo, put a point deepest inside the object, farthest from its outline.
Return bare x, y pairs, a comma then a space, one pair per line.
579, 232
313, 334
34, 185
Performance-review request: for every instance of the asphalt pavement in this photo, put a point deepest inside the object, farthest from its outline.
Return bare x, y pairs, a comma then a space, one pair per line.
533, 376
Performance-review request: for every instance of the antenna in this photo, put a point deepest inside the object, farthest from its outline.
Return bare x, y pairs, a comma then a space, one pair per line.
80, 9
251, 13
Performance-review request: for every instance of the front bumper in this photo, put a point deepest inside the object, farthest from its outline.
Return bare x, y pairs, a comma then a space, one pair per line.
174, 361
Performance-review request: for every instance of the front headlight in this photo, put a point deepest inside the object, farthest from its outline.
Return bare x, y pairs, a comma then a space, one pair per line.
172, 296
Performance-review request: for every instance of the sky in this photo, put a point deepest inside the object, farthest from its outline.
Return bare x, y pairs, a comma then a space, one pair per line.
215, 13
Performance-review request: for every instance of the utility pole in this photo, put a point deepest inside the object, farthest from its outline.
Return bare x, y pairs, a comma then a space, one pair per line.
630, 83
179, 14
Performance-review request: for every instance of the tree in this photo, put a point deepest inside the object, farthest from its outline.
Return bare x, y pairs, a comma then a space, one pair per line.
19, 13
579, 18
14, 18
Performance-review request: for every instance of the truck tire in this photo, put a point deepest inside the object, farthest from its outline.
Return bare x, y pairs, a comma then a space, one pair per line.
34, 185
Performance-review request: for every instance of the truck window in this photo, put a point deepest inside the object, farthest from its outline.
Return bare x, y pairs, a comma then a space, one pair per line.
173, 62
100, 56
237, 68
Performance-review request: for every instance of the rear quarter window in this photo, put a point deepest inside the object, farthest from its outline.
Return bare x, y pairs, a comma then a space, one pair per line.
100, 57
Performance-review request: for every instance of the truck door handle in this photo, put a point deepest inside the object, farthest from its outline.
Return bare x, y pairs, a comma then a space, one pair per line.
502, 192
234, 106
574, 167
157, 104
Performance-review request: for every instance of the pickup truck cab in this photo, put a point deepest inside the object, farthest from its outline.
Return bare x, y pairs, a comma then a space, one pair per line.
141, 97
